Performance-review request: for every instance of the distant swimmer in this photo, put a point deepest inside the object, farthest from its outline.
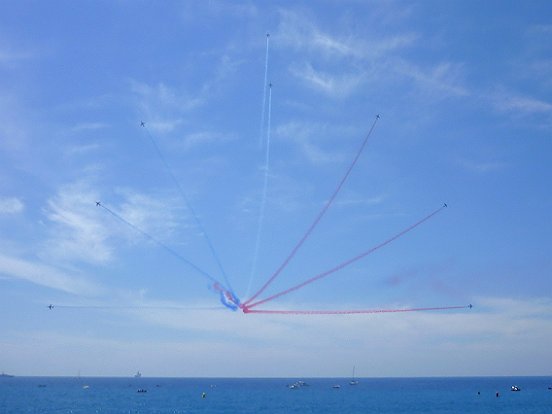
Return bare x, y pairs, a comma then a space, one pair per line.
203, 395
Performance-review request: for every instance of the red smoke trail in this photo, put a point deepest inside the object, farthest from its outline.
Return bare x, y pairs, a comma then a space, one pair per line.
318, 218
350, 312
248, 305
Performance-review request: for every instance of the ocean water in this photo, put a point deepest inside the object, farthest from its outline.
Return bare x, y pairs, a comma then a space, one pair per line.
270, 396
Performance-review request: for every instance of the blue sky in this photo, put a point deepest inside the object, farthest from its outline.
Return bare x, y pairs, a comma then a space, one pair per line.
464, 93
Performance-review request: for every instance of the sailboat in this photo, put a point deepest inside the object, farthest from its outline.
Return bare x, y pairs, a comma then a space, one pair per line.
353, 380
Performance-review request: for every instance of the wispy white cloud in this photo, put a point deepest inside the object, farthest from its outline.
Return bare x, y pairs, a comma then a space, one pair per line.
541, 29
166, 108
14, 128
157, 215
521, 108
359, 200
201, 138
89, 126
81, 149
310, 138
443, 79
9, 55
298, 31
77, 232
164, 126
340, 86
336, 65
11, 205
161, 94
482, 166
315, 154
226, 66
44, 275
521, 104
542, 69
162, 105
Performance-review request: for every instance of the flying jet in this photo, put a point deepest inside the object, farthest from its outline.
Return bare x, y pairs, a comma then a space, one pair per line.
50, 306
142, 124
445, 205
98, 203
378, 116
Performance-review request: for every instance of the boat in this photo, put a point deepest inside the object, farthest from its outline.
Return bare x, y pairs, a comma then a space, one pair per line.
4, 375
353, 380
515, 388
138, 375
336, 386
141, 390
297, 384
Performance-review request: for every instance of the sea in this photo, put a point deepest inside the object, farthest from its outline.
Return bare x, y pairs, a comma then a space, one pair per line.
481, 395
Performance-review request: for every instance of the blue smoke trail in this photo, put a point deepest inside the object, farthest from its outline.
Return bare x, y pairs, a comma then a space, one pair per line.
134, 307
164, 246
192, 211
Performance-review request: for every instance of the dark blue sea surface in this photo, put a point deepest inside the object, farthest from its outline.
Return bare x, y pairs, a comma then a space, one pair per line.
185, 395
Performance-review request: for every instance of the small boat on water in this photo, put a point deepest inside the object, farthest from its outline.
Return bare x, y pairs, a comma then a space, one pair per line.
336, 386
353, 381
297, 385
4, 375
138, 375
515, 388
